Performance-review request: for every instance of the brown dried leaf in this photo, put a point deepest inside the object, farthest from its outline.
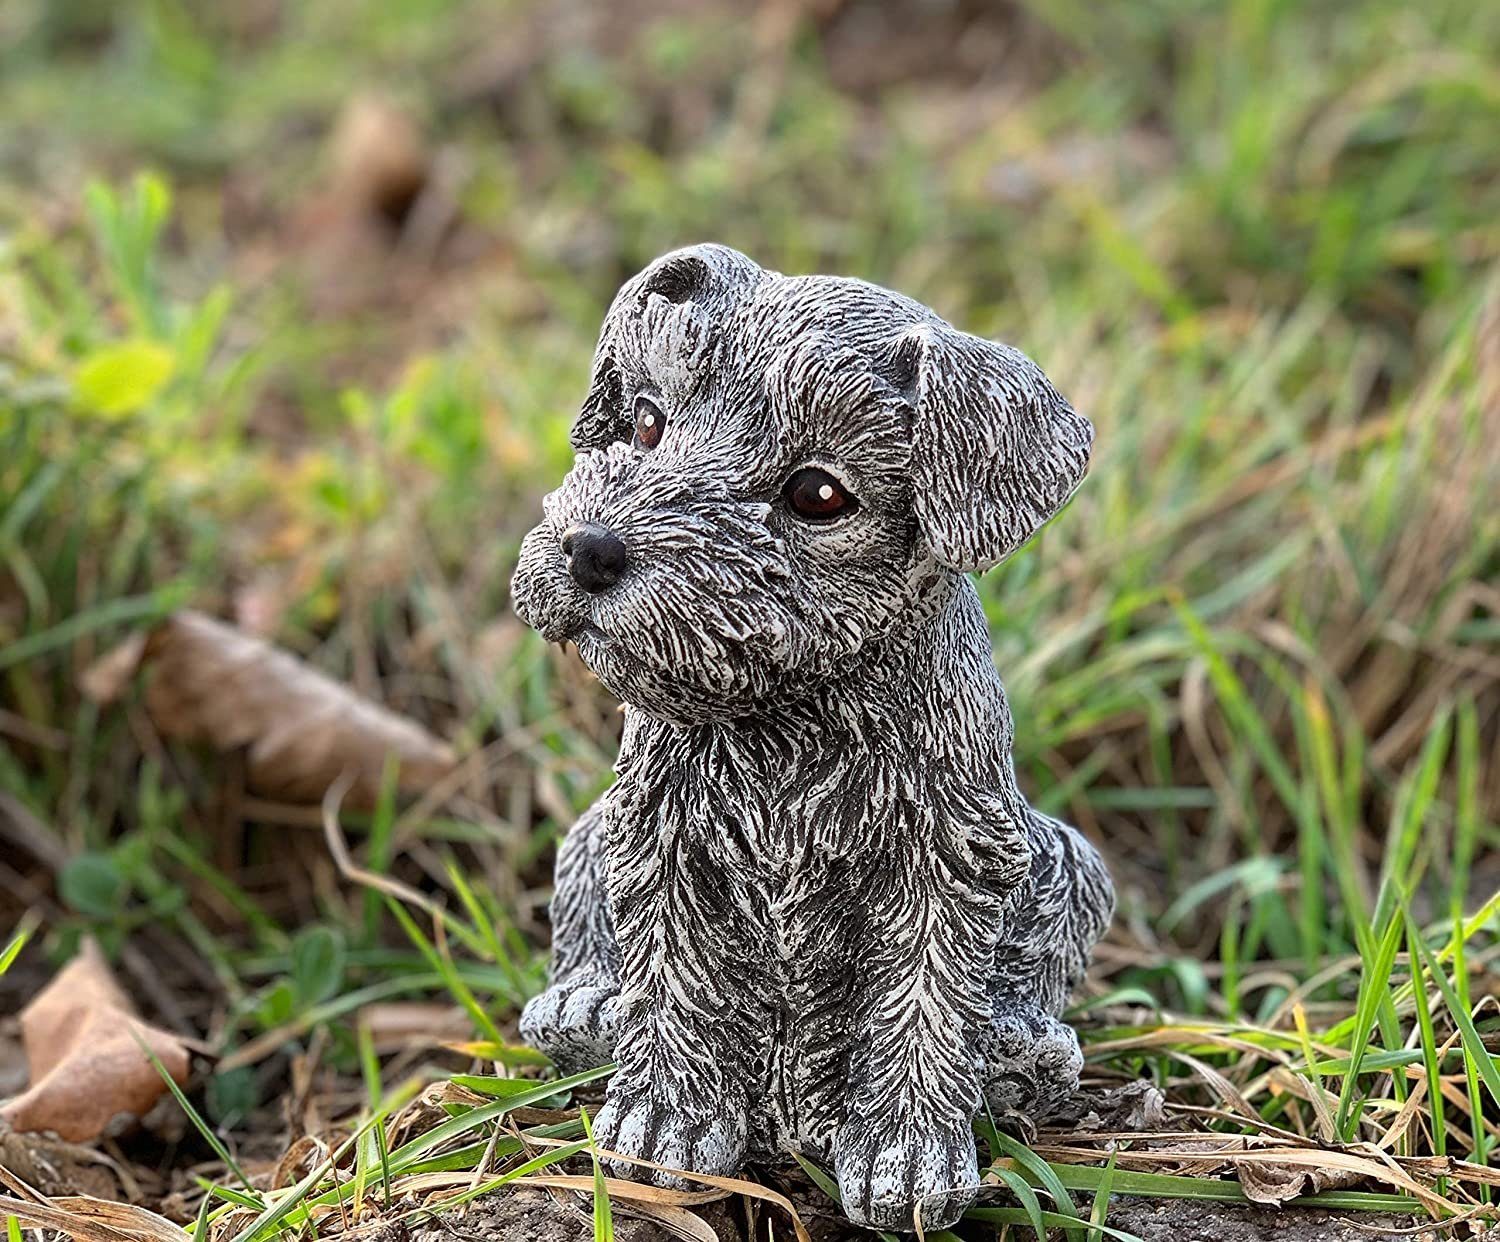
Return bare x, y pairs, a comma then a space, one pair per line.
209, 682
1132, 1106
725, 1185
1276, 1181
1329, 1167
129, 1218
679, 1222
87, 1066
380, 159
300, 1159
108, 677
48, 1216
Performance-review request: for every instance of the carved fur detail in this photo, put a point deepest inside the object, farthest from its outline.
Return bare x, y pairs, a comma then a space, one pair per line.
814, 912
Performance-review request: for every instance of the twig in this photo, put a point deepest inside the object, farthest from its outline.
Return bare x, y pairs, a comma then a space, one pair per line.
338, 847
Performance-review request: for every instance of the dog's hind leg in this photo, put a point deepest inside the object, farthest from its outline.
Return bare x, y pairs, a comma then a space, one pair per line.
1032, 1060
574, 1021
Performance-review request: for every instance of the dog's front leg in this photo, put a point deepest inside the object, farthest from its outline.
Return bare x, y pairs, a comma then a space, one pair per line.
691, 997
907, 1136
574, 1020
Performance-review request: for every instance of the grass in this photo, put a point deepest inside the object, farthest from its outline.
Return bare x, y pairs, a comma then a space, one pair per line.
1255, 658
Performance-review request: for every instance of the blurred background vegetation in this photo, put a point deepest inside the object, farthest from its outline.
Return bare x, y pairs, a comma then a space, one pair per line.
297, 299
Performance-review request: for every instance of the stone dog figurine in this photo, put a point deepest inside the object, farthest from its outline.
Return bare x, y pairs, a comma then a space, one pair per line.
814, 912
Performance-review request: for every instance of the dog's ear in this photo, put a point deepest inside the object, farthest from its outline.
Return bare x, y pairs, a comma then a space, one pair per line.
699, 279
996, 451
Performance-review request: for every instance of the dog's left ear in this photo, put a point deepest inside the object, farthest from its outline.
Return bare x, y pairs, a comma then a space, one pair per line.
706, 277
996, 451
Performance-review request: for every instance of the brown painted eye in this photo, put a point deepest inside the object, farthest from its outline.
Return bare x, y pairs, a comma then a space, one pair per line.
650, 422
816, 496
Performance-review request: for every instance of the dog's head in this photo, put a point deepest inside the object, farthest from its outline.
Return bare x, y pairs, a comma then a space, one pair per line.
773, 472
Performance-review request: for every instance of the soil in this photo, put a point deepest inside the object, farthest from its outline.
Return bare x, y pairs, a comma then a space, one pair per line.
1182, 1220
534, 1216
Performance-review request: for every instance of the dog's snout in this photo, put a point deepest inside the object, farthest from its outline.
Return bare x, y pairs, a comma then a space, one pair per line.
596, 556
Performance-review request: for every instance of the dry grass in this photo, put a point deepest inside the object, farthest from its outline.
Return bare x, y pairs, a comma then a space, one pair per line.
316, 387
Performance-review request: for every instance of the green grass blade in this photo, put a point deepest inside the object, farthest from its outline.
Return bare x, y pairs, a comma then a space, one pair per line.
548, 1158
818, 1177
131, 610
199, 1123
1374, 986
604, 1221
13, 950
1474, 1048
1333, 782
495, 1088
1479, 1137
200, 1222
231, 1196
1466, 809
443, 964
1100, 1208
1041, 1174
1429, 1049
408, 1153
1022, 1190
483, 925
1088, 1179
378, 845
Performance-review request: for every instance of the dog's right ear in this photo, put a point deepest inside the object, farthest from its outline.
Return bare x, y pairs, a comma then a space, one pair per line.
703, 277
996, 451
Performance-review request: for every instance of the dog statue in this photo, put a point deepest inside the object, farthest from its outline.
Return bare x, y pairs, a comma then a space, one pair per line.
814, 912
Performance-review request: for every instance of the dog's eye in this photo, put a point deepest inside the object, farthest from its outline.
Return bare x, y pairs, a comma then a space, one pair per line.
650, 422
816, 496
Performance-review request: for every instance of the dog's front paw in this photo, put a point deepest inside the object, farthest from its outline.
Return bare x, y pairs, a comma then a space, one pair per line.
575, 1021
646, 1126
885, 1172
1032, 1062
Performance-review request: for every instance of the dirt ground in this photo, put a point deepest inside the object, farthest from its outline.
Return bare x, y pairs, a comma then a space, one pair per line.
533, 1216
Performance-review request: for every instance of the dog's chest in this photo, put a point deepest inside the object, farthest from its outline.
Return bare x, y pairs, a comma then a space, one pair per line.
781, 806
787, 833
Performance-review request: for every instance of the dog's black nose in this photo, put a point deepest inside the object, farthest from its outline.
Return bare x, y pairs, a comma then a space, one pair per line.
596, 556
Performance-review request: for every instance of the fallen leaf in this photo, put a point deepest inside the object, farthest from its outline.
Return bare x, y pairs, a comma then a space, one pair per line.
301, 730
380, 160
129, 1218
680, 1198
83, 1046
1137, 1105
1275, 1181
300, 1159
48, 1216
679, 1222
107, 678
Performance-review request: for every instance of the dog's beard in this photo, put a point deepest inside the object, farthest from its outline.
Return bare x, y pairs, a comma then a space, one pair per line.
688, 635
679, 694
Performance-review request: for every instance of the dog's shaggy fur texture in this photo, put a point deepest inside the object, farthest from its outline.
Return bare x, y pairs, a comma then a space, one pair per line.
814, 912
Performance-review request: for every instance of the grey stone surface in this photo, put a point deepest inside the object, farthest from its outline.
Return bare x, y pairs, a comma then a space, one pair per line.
814, 912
